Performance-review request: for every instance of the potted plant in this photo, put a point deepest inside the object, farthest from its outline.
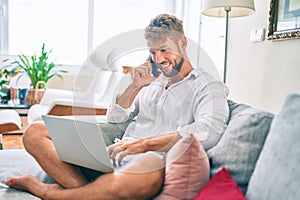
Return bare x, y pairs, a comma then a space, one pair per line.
39, 70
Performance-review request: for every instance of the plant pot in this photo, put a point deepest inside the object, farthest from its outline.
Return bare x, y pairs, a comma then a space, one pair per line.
34, 96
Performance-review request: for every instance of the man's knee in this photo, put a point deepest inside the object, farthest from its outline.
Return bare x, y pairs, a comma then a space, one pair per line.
33, 134
139, 186
141, 178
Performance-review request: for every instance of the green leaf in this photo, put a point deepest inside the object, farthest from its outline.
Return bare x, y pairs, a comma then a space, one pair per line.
38, 68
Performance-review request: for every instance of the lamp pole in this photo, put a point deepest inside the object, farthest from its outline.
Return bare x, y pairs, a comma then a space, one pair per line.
227, 10
237, 8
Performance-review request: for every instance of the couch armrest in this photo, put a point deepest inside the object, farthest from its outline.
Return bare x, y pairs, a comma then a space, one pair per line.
51, 94
35, 112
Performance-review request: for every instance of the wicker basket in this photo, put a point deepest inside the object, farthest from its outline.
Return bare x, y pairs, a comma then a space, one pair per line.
34, 96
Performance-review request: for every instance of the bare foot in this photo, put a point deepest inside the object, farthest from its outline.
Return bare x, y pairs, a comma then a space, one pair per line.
31, 184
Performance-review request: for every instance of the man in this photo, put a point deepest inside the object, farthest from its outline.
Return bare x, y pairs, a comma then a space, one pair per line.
163, 109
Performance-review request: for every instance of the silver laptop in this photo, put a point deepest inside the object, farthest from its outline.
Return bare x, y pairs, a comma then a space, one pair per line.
79, 142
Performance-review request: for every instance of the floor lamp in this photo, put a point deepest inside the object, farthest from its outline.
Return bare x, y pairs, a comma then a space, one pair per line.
227, 9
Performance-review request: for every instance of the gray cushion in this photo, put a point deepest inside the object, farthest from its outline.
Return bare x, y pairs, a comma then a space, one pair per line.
112, 131
17, 162
277, 173
241, 143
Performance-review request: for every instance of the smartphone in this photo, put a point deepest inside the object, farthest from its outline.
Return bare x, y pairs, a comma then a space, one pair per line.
154, 67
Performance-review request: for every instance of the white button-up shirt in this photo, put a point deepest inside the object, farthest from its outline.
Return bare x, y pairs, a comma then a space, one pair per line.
197, 104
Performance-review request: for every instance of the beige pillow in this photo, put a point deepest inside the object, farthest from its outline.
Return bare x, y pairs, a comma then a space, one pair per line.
187, 170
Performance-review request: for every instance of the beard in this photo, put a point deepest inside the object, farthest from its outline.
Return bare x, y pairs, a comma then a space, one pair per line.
176, 69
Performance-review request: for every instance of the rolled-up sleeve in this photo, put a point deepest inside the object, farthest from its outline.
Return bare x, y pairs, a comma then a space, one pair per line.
211, 113
118, 114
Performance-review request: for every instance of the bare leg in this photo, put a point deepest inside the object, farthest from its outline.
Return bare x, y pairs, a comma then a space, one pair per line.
38, 143
134, 181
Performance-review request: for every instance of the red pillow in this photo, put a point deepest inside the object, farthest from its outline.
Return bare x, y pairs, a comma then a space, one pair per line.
221, 187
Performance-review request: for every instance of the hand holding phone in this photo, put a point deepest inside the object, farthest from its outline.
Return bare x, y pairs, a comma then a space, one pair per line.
154, 67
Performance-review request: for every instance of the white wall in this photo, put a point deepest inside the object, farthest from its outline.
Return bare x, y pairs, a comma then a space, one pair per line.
263, 73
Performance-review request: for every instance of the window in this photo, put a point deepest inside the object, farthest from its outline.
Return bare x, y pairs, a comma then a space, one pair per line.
71, 28
111, 20
59, 24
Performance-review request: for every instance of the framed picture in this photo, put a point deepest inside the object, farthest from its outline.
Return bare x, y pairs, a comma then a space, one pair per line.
284, 19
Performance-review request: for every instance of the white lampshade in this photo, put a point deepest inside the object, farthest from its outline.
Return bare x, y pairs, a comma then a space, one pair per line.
238, 8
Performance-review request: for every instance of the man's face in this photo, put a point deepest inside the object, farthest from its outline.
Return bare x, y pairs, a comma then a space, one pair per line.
168, 55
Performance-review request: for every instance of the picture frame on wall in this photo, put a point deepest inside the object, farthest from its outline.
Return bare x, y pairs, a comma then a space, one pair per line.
284, 20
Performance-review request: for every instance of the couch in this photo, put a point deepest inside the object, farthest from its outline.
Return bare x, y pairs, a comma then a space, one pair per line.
259, 150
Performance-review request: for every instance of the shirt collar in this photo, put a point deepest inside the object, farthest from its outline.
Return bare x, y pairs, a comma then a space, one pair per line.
193, 74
